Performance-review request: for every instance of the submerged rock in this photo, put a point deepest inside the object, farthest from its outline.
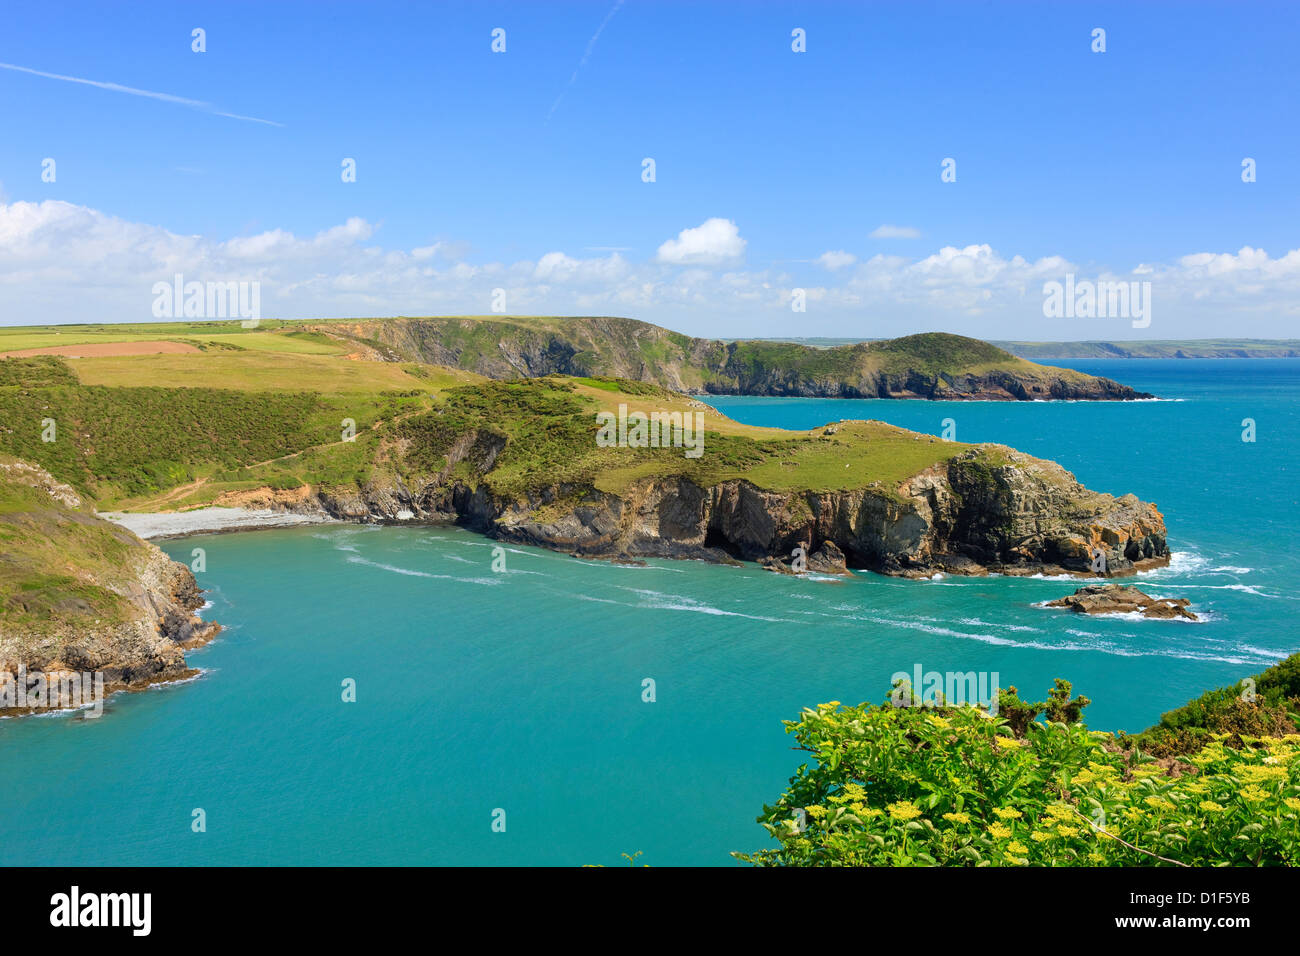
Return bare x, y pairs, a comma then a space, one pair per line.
1123, 599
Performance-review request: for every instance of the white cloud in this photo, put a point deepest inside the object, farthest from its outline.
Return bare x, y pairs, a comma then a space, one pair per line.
837, 259
715, 242
887, 231
61, 262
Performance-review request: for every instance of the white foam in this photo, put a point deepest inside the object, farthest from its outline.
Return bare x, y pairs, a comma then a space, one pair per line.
394, 569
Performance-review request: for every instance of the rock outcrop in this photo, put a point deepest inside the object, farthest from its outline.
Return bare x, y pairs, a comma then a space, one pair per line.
1118, 599
828, 559
934, 365
81, 594
990, 509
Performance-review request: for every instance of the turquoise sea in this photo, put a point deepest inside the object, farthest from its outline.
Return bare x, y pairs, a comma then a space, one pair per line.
522, 690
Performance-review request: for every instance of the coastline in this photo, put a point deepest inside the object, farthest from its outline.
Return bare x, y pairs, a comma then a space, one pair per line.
162, 525
156, 525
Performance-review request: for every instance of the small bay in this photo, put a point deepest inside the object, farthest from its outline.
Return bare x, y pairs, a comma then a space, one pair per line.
522, 690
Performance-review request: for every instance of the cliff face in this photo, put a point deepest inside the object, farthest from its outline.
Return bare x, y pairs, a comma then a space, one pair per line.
78, 593
930, 366
991, 509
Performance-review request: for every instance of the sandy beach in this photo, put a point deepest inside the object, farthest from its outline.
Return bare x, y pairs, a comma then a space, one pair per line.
209, 520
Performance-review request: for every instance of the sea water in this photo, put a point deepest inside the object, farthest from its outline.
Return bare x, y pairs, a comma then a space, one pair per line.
519, 696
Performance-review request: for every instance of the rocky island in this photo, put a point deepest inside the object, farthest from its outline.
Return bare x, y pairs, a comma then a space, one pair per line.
1118, 599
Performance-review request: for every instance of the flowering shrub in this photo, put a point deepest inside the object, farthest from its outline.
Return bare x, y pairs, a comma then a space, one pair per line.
952, 786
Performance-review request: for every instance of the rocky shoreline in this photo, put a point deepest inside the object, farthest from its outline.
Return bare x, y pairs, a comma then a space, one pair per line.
965, 516
934, 366
1022, 517
124, 623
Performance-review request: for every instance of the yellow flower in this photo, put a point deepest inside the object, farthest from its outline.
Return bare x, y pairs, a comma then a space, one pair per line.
1007, 743
1039, 836
1017, 860
1059, 811
957, 817
816, 811
1254, 773
1085, 776
902, 810
1096, 857
1209, 806
1102, 769
1292, 802
1015, 846
938, 721
1158, 803
1007, 813
1253, 794
1000, 830
1067, 831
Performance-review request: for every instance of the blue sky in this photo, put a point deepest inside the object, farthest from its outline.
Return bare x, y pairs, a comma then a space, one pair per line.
473, 167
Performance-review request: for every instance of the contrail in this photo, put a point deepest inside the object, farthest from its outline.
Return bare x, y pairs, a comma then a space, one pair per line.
591, 45
119, 88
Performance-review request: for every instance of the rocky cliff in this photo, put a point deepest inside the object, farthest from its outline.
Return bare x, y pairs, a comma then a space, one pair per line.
987, 509
930, 366
81, 594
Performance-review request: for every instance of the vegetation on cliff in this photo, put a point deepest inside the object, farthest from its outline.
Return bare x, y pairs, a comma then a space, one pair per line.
58, 562
78, 593
520, 459
954, 786
929, 365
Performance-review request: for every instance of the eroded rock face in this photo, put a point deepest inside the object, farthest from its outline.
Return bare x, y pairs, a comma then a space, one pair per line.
131, 655
990, 509
618, 347
1118, 599
142, 645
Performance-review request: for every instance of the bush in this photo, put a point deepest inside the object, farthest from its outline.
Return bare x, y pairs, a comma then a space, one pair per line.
953, 786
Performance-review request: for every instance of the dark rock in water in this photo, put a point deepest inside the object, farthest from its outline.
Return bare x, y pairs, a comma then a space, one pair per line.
1122, 599
828, 559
